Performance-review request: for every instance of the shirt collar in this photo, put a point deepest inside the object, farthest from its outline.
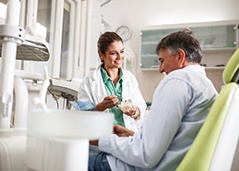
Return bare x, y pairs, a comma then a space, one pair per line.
105, 76
197, 68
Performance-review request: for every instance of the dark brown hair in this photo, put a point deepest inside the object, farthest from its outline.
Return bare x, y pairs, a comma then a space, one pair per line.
106, 39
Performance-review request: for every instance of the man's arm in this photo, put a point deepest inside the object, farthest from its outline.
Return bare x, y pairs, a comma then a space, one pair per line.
147, 147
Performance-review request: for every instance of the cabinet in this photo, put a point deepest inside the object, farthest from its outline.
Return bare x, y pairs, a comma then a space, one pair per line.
218, 42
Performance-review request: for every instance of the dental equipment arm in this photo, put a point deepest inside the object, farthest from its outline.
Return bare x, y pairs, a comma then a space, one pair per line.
11, 36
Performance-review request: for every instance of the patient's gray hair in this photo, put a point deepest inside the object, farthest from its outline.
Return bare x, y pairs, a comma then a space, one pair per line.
184, 40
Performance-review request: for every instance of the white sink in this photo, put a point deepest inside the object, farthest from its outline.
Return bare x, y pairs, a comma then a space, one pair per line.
59, 139
69, 124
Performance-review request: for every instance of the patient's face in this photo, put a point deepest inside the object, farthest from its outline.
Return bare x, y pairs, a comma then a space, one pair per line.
168, 63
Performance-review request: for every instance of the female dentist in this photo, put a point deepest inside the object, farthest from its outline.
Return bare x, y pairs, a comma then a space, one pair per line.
105, 88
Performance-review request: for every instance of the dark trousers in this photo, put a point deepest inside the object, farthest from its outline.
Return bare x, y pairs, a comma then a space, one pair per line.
97, 160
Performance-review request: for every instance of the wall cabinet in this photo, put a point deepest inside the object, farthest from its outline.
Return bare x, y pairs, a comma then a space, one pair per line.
218, 42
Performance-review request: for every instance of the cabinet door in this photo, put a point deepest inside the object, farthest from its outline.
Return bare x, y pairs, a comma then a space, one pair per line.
217, 42
149, 41
216, 37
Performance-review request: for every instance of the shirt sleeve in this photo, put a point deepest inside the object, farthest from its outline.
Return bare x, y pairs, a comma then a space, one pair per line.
146, 148
84, 91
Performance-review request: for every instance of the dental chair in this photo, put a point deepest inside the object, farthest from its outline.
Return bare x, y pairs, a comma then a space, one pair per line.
216, 143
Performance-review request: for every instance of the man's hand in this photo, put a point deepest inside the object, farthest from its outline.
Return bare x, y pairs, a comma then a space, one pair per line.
94, 142
121, 131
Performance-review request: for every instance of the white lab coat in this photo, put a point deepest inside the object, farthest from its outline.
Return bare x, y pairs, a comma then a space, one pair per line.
93, 89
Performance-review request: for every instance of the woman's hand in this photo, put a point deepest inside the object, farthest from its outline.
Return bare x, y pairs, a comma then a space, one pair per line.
129, 109
134, 112
122, 131
108, 102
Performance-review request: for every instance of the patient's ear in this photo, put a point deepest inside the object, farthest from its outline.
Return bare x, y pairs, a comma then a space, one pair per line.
181, 57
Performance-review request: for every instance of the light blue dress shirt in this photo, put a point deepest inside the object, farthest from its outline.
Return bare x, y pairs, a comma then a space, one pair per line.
180, 105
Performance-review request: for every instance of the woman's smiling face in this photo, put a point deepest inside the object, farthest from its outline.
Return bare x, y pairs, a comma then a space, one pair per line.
114, 55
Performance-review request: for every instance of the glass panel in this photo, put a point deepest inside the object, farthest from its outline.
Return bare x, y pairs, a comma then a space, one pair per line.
3, 9
65, 40
213, 37
43, 27
44, 18
149, 41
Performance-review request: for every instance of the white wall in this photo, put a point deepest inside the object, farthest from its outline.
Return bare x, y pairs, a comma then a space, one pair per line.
139, 13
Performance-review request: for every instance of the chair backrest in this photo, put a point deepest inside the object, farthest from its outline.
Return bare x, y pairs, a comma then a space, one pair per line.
231, 71
202, 151
215, 145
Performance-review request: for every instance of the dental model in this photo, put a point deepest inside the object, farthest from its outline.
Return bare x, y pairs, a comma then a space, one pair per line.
126, 105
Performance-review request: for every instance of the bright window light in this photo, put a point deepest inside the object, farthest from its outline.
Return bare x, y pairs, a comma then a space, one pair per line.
3, 10
41, 30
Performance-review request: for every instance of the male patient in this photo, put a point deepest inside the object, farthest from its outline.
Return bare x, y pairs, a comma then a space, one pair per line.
180, 106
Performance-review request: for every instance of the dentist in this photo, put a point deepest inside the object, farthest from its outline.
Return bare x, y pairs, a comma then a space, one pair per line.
106, 87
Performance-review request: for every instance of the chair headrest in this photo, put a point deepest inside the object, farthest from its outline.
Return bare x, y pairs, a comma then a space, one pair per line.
231, 71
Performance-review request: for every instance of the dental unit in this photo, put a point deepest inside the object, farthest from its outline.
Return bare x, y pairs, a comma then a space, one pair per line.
41, 139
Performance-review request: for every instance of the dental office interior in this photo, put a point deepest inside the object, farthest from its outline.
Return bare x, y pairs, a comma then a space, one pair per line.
48, 46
